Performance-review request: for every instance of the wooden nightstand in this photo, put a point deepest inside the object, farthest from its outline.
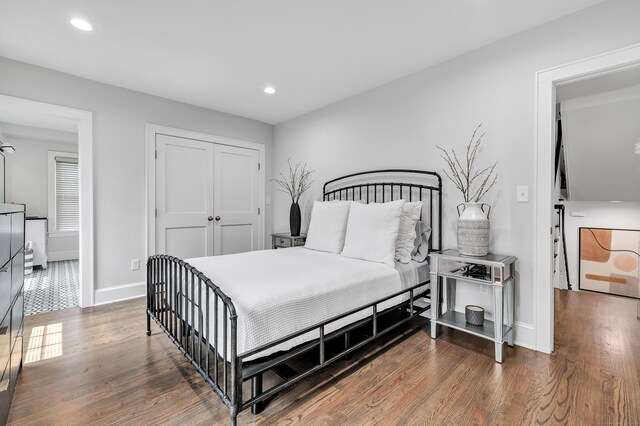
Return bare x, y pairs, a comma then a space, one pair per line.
284, 240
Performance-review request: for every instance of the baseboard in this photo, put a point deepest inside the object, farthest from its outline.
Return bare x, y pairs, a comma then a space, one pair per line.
63, 255
118, 293
524, 335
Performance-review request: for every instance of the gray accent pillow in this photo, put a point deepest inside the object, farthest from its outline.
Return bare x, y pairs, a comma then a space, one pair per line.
421, 243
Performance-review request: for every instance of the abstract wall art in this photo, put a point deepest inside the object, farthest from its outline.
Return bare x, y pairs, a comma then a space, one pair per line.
609, 261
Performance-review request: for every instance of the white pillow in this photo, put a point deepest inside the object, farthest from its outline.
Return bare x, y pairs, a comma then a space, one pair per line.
328, 226
407, 230
372, 231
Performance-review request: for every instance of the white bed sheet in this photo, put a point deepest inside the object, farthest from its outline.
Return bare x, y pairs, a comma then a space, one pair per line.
279, 292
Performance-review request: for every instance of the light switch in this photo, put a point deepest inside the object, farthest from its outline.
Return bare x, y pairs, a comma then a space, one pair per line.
267, 201
577, 213
522, 194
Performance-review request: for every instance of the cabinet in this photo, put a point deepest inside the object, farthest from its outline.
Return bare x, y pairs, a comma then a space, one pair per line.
12, 226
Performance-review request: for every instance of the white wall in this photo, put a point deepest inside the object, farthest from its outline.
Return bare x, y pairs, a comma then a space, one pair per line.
600, 137
119, 118
26, 183
399, 124
597, 214
26, 176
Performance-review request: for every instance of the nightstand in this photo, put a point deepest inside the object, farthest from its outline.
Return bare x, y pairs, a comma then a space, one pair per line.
286, 240
493, 271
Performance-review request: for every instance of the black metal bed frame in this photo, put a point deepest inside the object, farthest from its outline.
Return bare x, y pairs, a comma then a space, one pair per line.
180, 299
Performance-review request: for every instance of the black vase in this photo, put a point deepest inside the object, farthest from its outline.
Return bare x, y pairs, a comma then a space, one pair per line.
294, 219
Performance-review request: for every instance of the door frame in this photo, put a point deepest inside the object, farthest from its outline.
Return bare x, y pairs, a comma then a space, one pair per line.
84, 120
151, 131
546, 82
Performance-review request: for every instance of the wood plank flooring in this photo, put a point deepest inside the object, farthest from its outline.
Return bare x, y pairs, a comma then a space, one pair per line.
96, 366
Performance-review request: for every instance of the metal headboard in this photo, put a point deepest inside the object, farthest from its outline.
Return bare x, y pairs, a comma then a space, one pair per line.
379, 186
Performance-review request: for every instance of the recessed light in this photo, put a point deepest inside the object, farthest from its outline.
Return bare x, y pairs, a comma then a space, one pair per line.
616, 201
81, 24
269, 90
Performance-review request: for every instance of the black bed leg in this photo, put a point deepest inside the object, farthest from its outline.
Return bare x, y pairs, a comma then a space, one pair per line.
148, 325
256, 389
347, 344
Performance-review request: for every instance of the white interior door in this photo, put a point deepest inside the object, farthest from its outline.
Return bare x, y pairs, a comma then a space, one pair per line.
236, 199
184, 197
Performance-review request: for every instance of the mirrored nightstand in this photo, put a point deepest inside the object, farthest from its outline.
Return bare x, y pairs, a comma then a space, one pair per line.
284, 240
494, 271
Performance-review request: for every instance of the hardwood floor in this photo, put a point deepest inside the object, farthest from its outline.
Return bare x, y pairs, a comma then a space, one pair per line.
97, 367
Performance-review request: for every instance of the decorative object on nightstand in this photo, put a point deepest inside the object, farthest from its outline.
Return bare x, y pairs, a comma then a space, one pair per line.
287, 240
474, 182
298, 181
495, 271
474, 314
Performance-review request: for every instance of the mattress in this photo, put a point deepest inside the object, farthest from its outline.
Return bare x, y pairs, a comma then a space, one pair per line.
279, 292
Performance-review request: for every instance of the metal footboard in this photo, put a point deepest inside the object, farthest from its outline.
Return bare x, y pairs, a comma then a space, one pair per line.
180, 299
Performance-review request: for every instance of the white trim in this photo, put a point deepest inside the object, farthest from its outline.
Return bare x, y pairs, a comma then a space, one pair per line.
63, 234
151, 131
84, 120
63, 255
546, 82
524, 335
119, 293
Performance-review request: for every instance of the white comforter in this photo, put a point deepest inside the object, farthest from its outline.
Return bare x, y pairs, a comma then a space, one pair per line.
279, 292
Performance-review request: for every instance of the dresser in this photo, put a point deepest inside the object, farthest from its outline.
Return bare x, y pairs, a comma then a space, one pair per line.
12, 226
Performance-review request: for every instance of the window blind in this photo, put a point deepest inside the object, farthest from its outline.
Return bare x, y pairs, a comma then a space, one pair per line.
67, 194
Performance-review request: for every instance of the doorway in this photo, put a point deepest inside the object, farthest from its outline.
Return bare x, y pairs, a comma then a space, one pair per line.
205, 194
42, 174
548, 82
73, 130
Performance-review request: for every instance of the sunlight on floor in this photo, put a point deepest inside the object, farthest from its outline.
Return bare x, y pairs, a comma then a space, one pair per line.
45, 342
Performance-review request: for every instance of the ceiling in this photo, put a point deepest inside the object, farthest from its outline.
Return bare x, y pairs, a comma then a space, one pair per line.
221, 54
36, 119
11, 131
609, 82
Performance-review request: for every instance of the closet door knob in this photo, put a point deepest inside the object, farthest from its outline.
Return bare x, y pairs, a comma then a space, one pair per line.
210, 218
217, 218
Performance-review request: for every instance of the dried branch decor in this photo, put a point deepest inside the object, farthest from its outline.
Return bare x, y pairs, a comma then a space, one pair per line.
474, 183
298, 181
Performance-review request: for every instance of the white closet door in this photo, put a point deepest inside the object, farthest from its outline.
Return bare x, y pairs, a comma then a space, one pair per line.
236, 199
184, 197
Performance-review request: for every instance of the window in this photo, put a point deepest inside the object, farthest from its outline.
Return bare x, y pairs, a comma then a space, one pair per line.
64, 217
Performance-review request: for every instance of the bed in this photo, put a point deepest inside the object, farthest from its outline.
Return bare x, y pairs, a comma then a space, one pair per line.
235, 317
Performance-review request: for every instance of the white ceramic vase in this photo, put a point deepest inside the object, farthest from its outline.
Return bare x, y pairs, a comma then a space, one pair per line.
473, 229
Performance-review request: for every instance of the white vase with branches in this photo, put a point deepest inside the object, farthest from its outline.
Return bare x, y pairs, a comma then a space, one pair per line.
474, 182
295, 184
